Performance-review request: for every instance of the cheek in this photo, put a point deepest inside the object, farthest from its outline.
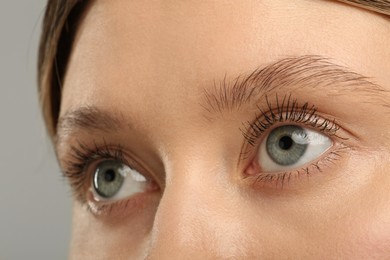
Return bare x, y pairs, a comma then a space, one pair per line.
374, 237
379, 237
371, 236
106, 238
370, 224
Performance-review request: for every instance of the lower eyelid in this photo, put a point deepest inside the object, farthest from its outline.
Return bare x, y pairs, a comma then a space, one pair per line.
121, 208
293, 179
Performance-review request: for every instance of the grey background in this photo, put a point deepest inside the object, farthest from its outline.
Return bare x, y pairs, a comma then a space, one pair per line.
35, 202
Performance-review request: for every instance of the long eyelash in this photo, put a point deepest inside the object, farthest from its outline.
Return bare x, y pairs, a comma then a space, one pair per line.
81, 157
286, 110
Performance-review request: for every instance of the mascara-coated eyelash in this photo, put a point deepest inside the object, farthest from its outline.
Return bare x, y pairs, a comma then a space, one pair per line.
81, 157
286, 110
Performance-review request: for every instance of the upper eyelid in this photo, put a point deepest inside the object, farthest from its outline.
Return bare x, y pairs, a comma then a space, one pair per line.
287, 110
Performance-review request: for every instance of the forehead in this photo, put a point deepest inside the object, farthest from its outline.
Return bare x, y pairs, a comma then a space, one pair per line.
151, 55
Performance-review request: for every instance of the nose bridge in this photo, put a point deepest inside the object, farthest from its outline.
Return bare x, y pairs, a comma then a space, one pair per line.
196, 218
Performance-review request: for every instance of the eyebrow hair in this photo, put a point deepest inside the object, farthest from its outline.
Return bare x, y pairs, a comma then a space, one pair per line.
310, 71
380, 6
88, 118
294, 73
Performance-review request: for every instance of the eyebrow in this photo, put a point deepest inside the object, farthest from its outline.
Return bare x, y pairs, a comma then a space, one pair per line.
90, 119
293, 73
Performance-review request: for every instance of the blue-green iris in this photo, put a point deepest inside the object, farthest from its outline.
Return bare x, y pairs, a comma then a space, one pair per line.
282, 146
108, 180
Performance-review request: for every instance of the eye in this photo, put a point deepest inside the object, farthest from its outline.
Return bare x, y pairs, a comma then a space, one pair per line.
114, 180
288, 147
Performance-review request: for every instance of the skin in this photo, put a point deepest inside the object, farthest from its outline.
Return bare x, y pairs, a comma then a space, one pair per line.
151, 61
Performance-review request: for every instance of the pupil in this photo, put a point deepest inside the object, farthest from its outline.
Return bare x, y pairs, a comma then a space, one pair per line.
285, 142
109, 175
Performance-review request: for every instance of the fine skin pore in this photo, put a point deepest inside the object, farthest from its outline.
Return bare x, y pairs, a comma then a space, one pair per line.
143, 75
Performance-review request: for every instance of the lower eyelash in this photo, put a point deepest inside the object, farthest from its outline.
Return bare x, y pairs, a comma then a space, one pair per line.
106, 209
116, 208
282, 179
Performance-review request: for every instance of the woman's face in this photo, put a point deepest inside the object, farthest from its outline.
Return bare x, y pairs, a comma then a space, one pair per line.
228, 129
